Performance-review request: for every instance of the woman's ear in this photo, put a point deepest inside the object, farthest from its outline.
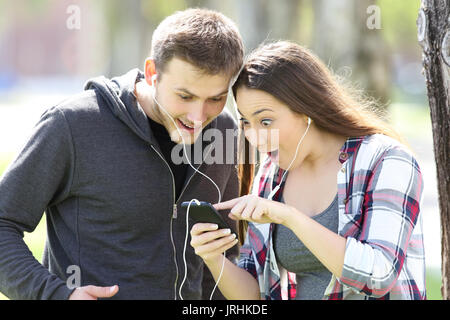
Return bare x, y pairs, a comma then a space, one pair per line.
150, 71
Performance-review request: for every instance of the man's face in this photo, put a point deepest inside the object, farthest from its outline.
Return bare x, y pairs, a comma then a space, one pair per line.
191, 97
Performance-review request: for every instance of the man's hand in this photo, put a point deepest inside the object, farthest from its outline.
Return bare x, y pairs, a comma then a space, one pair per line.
93, 292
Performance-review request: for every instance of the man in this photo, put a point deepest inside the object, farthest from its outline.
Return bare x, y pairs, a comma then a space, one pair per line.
100, 164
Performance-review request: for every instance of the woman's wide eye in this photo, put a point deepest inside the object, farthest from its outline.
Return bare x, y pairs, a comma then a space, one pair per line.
266, 122
244, 121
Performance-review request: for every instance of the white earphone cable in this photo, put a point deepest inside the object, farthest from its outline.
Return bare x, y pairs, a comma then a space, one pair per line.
272, 193
184, 146
190, 202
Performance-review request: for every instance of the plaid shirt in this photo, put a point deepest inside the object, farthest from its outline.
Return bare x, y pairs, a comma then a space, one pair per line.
379, 191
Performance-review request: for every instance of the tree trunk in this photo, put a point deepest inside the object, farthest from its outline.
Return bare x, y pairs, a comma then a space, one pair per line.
433, 25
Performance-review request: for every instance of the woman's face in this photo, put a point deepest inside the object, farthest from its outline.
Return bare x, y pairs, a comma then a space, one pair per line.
270, 125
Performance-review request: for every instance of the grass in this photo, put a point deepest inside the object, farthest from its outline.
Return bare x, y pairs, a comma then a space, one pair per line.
5, 160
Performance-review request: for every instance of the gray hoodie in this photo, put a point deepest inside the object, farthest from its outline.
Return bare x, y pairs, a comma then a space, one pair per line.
93, 165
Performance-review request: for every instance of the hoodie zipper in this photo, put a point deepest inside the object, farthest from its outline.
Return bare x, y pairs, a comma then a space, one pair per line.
174, 210
174, 216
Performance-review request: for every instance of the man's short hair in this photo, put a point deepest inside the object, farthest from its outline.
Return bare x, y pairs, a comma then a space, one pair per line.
205, 38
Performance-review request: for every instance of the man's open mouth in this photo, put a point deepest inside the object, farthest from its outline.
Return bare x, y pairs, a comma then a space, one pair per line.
188, 127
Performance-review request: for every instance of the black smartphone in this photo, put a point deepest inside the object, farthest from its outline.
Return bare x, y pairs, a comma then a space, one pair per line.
205, 213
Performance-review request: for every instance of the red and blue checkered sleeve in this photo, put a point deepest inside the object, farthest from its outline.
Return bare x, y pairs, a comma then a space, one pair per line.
246, 261
376, 263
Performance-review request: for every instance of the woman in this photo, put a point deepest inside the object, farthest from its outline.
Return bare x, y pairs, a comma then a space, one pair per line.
334, 212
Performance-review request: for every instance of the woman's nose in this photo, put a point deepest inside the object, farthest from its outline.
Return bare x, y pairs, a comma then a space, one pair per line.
263, 139
252, 137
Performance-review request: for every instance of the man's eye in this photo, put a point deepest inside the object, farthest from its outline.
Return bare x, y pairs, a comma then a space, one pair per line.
266, 122
217, 99
184, 97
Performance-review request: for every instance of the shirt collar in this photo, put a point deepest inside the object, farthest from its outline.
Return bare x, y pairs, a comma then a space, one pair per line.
349, 148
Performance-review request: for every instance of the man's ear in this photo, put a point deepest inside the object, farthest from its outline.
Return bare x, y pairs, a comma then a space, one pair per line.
150, 71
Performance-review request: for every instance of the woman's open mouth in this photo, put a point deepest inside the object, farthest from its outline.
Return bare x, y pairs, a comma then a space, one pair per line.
273, 155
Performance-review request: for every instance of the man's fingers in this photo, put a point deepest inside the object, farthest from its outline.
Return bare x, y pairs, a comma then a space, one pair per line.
102, 292
113, 290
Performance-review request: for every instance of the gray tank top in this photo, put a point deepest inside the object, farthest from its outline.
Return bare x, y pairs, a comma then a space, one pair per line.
312, 276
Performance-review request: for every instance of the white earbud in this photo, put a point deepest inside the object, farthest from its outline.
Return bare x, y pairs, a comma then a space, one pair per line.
154, 79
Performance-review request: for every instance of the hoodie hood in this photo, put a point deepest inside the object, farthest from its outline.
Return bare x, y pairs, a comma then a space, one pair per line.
118, 93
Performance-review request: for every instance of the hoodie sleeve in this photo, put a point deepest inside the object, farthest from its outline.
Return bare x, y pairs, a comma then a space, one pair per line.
40, 176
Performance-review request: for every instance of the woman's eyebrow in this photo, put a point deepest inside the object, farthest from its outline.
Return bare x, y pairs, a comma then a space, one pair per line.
260, 111
256, 112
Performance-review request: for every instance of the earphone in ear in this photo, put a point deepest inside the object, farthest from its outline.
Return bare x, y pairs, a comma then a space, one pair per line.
154, 77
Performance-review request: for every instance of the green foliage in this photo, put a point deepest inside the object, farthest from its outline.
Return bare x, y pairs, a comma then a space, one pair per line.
398, 22
159, 9
433, 283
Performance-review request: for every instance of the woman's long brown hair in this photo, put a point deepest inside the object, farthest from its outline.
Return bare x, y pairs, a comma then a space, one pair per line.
297, 78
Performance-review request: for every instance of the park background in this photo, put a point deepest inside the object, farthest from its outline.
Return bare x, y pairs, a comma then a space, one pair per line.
49, 48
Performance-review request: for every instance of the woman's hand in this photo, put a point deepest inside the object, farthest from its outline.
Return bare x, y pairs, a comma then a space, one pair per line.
256, 209
210, 243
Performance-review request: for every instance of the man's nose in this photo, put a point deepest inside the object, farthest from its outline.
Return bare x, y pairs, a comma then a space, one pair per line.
198, 115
